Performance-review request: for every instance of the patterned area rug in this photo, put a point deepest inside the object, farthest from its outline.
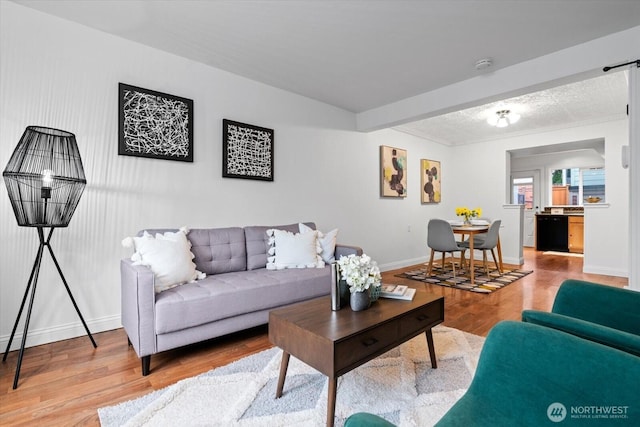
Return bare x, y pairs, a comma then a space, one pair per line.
400, 386
484, 283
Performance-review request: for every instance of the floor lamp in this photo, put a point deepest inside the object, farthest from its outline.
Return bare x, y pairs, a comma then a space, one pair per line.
44, 179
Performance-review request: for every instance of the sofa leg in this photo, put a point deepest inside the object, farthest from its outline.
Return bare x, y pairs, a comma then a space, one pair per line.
146, 364
128, 342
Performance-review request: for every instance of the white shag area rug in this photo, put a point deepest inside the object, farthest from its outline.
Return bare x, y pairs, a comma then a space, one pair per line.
400, 386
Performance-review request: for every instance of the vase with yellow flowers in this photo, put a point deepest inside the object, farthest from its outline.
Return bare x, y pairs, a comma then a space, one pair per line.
467, 213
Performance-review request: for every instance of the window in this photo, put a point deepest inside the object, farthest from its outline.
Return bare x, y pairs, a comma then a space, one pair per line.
569, 187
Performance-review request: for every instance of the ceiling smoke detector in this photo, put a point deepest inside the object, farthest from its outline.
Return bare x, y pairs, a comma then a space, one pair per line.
483, 64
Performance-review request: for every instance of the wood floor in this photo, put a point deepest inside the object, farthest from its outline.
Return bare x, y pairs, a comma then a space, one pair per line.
64, 383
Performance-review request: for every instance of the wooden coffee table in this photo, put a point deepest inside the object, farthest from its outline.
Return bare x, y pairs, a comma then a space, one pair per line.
335, 342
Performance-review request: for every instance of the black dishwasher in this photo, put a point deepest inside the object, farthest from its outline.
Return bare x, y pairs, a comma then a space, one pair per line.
552, 233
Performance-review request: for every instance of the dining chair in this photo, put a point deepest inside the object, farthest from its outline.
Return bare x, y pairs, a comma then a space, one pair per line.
440, 238
485, 243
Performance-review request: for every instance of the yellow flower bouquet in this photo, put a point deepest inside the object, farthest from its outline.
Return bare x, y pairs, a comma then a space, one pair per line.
468, 213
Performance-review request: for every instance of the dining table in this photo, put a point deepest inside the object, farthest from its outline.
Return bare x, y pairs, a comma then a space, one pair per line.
472, 230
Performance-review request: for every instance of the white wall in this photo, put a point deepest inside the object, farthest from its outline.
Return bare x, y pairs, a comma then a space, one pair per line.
60, 74
634, 177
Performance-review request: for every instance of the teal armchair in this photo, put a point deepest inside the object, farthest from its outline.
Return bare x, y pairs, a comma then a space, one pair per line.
599, 313
530, 375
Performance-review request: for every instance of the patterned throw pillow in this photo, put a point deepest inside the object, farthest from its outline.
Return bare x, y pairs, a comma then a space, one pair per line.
327, 241
289, 250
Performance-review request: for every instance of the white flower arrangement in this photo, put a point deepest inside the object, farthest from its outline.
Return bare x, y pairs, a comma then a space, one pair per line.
360, 272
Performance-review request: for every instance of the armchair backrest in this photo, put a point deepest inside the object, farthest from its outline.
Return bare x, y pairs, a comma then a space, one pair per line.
602, 304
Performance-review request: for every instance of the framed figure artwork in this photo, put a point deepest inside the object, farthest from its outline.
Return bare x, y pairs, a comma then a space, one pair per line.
154, 124
393, 172
430, 182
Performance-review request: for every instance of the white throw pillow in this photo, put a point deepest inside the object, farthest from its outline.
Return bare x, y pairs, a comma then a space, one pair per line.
288, 250
168, 256
327, 241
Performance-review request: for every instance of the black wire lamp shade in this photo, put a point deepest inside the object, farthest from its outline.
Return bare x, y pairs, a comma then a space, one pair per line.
45, 177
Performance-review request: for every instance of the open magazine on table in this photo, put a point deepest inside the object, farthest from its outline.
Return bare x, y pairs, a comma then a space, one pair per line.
397, 292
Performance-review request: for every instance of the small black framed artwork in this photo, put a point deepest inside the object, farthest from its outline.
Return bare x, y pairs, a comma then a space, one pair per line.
247, 151
154, 124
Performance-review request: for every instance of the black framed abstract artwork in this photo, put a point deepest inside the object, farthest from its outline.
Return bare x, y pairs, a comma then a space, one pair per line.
247, 151
154, 124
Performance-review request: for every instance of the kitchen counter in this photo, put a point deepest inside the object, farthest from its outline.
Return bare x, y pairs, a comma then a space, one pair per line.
564, 214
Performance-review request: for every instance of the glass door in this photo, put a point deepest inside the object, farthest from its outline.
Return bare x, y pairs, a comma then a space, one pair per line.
525, 191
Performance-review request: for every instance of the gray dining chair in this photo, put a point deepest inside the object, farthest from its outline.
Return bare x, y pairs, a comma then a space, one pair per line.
440, 238
487, 242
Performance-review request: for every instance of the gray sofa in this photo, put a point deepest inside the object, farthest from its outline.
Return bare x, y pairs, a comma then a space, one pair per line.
237, 293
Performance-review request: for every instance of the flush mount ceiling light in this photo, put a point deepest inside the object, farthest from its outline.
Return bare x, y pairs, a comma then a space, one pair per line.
503, 118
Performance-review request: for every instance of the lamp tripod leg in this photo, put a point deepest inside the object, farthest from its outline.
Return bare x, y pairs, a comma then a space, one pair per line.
28, 318
24, 300
31, 286
86, 328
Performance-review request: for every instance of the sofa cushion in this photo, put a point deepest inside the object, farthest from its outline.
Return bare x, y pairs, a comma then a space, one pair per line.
293, 250
327, 241
168, 255
219, 250
258, 242
225, 295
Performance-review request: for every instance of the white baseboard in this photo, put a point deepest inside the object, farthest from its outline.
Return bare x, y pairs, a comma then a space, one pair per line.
425, 260
605, 271
513, 260
403, 263
59, 333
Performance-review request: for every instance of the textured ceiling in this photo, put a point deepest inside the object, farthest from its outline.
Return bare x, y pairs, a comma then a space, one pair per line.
589, 101
353, 54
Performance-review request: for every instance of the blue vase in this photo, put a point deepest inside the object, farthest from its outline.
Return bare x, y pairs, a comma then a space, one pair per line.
374, 292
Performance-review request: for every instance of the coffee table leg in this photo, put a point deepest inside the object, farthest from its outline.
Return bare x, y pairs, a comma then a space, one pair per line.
284, 364
432, 350
331, 401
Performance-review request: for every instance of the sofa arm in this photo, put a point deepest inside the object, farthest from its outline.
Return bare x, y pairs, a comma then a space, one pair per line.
346, 250
138, 306
615, 338
605, 305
